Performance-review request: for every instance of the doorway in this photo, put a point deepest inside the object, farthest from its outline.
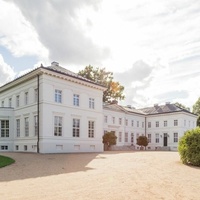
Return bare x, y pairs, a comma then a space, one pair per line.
165, 140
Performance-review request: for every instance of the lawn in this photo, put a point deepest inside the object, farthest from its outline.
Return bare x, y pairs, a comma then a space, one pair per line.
4, 161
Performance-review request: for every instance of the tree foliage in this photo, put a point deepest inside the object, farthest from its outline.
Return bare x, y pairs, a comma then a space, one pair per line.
189, 147
196, 110
142, 141
101, 76
109, 138
182, 106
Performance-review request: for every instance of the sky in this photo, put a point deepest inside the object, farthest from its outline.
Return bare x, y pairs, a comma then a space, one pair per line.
152, 47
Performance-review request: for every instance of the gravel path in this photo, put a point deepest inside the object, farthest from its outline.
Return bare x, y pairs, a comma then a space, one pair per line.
104, 176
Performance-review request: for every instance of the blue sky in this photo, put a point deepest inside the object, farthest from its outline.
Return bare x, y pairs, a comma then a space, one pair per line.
153, 47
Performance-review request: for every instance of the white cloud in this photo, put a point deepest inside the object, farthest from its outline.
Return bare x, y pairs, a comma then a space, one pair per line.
6, 72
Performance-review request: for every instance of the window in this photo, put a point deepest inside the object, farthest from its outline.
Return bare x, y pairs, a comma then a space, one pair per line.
26, 98
126, 122
120, 136
137, 135
175, 137
149, 124
91, 129
120, 121
132, 137
113, 120
132, 122
36, 94
126, 137
91, 103
26, 126
149, 138
36, 125
25, 147
157, 137
18, 127
57, 126
17, 101
2, 104
76, 127
105, 119
137, 123
4, 147
4, 128
165, 123
175, 122
76, 100
16, 147
58, 96
142, 124
157, 123
10, 102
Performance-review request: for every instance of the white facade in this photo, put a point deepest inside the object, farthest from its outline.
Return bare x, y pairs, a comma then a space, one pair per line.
67, 117
163, 129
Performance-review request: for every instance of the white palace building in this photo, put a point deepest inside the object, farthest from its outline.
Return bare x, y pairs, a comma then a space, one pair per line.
53, 110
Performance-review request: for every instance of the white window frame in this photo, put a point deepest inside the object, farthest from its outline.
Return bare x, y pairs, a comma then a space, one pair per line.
165, 123
176, 122
120, 121
36, 94
36, 125
26, 98
138, 123
91, 103
157, 124
149, 124
58, 127
4, 127
132, 122
76, 99
113, 120
26, 126
126, 137
18, 127
149, 137
175, 137
17, 101
10, 102
157, 139
91, 128
120, 137
76, 127
58, 96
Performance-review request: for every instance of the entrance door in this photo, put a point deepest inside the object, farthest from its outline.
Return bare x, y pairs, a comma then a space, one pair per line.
165, 140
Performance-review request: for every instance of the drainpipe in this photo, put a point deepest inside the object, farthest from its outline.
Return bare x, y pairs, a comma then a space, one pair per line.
38, 112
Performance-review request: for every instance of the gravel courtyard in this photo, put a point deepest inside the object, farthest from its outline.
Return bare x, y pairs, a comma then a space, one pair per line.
108, 175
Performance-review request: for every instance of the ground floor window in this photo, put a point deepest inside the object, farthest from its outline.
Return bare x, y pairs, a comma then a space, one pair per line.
76, 128
18, 127
26, 126
157, 137
91, 129
4, 126
149, 138
132, 138
57, 126
4, 147
175, 137
120, 137
126, 137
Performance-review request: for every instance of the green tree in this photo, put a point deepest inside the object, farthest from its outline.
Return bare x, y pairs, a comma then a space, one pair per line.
101, 76
189, 147
196, 110
142, 141
182, 106
109, 139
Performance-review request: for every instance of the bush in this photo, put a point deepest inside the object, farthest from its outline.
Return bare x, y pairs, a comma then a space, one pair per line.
109, 139
142, 141
189, 147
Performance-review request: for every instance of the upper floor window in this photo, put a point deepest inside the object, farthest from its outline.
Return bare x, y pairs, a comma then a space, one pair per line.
76, 127
113, 119
91, 129
165, 123
17, 101
120, 137
36, 94
149, 124
175, 137
26, 98
76, 100
142, 124
105, 119
4, 128
126, 122
10, 102
175, 122
57, 126
91, 103
58, 96
137, 123
157, 123
120, 121
126, 137
2, 104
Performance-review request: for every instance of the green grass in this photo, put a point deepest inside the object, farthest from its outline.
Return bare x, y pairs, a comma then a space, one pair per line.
4, 161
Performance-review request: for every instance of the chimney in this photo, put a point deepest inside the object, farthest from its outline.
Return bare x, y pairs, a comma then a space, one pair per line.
54, 64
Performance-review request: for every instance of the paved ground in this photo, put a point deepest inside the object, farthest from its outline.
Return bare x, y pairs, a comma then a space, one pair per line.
109, 175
